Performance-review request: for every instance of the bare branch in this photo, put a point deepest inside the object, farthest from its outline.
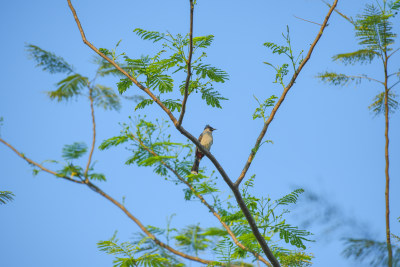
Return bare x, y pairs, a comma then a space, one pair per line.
39, 165
94, 134
394, 84
349, 19
189, 67
285, 91
202, 200
307, 20
365, 77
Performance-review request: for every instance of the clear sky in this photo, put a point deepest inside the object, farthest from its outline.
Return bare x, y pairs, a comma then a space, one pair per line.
325, 138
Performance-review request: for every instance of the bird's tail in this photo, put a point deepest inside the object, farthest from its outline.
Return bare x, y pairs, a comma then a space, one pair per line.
195, 168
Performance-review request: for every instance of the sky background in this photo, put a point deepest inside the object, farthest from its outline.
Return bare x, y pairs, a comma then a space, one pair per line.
325, 138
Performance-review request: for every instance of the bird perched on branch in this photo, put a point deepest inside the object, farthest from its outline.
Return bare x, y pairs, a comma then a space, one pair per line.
206, 140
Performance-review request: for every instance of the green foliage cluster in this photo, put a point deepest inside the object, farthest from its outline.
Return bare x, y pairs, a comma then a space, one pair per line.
374, 32
157, 72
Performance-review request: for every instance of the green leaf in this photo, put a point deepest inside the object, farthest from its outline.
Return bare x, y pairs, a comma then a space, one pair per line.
152, 160
149, 35
70, 171
214, 74
260, 111
142, 104
123, 85
97, 176
106, 98
338, 78
74, 151
6, 196
276, 49
203, 41
378, 104
290, 198
212, 97
163, 83
69, 87
113, 141
359, 56
48, 61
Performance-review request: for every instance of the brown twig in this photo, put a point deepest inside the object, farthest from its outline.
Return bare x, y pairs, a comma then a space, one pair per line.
285, 91
38, 165
307, 20
189, 67
94, 135
202, 200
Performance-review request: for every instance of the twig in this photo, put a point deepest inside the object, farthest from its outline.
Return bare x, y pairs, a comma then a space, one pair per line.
391, 54
285, 91
202, 200
38, 165
307, 20
189, 67
94, 135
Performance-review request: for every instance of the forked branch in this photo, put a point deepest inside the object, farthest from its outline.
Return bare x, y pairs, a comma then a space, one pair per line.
282, 98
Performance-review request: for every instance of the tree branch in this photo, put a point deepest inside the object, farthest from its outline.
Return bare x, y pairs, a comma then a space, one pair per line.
365, 77
202, 200
307, 20
285, 91
39, 165
189, 67
94, 135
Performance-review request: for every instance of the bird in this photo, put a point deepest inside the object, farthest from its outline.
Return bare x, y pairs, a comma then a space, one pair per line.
206, 140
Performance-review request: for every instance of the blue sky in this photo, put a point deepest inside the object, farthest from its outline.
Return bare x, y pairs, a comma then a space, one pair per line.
325, 138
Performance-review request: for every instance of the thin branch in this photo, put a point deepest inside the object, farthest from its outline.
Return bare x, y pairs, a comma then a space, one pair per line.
38, 165
285, 91
394, 73
94, 135
202, 200
394, 85
307, 20
365, 77
391, 54
112, 62
189, 67
349, 19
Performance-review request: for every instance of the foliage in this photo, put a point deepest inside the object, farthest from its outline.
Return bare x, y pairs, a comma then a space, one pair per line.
156, 72
74, 151
6, 196
370, 252
48, 61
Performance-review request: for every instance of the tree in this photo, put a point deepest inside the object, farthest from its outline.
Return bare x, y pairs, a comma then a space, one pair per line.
373, 30
252, 219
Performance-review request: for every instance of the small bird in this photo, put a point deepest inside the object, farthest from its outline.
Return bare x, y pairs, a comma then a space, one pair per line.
206, 140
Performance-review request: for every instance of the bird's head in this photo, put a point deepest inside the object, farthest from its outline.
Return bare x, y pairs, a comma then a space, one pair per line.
209, 128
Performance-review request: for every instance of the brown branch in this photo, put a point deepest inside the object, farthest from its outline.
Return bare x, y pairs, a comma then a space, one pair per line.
349, 19
393, 53
38, 165
112, 62
202, 200
94, 135
189, 67
282, 98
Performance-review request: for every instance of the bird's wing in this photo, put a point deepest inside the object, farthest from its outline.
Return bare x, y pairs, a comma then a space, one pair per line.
200, 137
